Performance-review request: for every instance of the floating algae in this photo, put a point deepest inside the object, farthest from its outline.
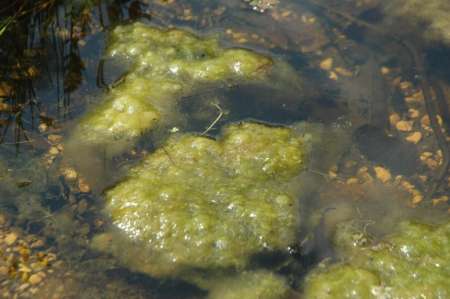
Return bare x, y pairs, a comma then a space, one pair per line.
165, 65
412, 263
202, 204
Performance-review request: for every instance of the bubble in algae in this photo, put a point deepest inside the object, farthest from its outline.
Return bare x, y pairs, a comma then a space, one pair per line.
199, 203
165, 65
412, 263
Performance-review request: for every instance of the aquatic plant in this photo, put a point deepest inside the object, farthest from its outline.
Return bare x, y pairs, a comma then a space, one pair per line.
165, 66
202, 204
412, 263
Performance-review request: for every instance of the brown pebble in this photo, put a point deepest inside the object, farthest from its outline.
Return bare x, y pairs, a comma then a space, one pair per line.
326, 64
404, 126
343, 72
333, 76
425, 155
10, 238
425, 122
83, 186
415, 98
35, 279
414, 137
431, 163
23, 287
53, 151
405, 85
43, 127
394, 118
417, 199
69, 174
4, 270
385, 70
53, 138
439, 200
37, 244
382, 174
352, 181
413, 113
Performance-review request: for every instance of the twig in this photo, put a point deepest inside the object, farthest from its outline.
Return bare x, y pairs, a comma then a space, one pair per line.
215, 121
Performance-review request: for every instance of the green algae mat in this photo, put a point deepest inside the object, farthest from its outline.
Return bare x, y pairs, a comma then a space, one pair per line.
164, 65
412, 263
200, 203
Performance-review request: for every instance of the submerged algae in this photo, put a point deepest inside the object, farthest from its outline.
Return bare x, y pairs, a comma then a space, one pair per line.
251, 285
165, 64
204, 204
412, 263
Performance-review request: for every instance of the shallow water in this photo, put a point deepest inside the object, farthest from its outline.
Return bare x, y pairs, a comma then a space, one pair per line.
360, 96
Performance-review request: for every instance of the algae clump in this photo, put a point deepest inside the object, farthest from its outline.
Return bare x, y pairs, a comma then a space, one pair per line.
204, 204
164, 65
412, 263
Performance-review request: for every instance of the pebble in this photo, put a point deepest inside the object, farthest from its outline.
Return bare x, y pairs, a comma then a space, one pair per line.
383, 174
413, 113
414, 137
394, 118
43, 127
69, 174
425, 155
404, 126
405, 85
439, 200
53, 138
23, 287
352, 181
35, 279
83, 186
37, 244
417, 199
415, 98
4, 270
326, 64
53, 151
333, 76
10, 238
343, 72
385, 70
425, 122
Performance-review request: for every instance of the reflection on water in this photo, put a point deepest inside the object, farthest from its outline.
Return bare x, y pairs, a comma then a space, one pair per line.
374, 101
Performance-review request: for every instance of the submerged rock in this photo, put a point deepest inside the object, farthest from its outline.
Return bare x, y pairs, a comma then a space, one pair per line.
204, 204
412, 263
164, 65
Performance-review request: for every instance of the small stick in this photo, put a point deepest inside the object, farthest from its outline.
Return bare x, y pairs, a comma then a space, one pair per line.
215, 121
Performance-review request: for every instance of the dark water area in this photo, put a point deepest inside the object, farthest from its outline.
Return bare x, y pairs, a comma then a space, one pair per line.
371, 90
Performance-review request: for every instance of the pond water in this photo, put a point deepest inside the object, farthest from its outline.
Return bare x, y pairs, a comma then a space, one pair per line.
284, 142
